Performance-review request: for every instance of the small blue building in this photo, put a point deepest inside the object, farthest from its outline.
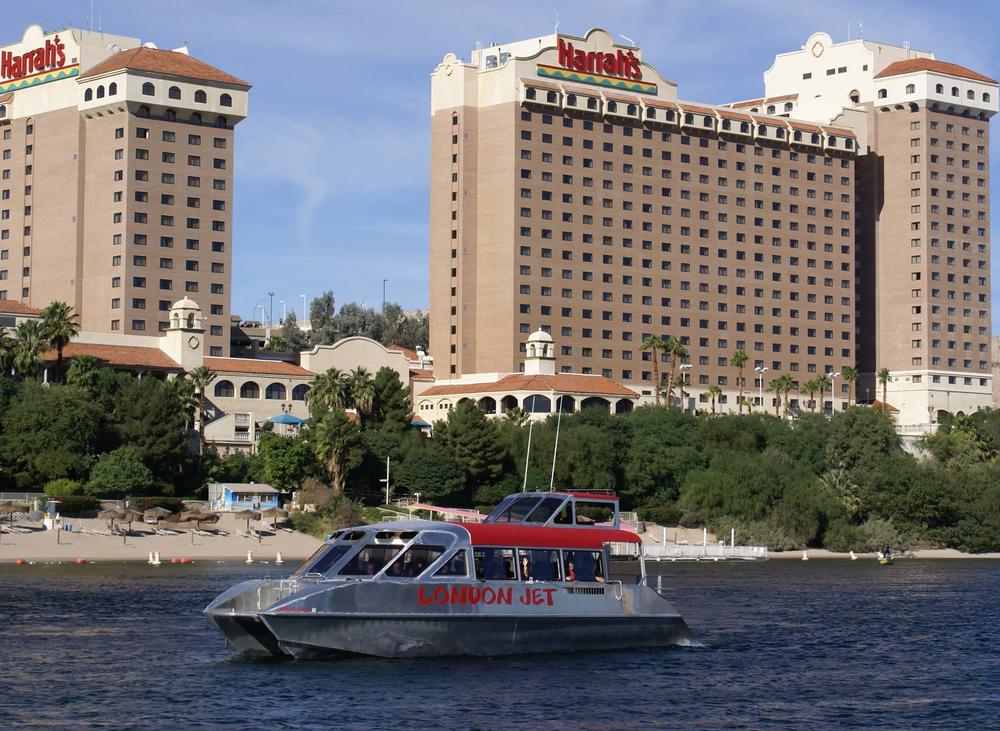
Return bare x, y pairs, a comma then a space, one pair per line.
231, 496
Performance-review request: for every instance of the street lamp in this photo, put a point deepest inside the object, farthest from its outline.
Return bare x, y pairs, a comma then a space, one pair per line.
282, 303
685, 369
833, 393
270, 309
761, 370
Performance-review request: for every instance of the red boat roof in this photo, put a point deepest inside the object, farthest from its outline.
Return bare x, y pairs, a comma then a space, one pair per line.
589, 495
530, 536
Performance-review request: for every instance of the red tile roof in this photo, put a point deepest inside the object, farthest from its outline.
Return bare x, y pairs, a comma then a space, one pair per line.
660, 104
127, 356
410, 354
542, 84
166, 63
913, 65
805, 126
570, 383
421, 373
622, 98
839, 132
742, 116
257, 367
695, 109
13, 307
4, 98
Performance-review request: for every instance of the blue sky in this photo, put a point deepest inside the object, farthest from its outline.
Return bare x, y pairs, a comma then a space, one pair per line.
332, 163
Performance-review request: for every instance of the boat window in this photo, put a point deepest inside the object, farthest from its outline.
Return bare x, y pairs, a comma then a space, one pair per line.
565, 516
321, 561
455, 566
591, 512
539, 564
370, 560
584, 565
494, 564
414, 562
544, 511
517, 511
500, 509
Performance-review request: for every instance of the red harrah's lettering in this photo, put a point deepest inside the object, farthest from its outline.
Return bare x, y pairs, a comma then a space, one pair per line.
51, 55
473, 595
622, 63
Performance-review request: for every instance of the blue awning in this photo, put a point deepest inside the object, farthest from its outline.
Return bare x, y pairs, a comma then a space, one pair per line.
287, 419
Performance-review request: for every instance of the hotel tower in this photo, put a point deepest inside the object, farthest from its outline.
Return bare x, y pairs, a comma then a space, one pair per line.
841, 219
117, 180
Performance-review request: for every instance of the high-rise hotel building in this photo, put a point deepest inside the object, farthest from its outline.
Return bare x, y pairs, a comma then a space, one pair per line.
116, 180
841, 219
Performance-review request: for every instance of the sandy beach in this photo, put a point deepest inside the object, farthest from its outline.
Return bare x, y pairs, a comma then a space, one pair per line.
41, 545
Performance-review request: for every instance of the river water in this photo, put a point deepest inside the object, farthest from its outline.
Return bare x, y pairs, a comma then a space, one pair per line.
783, 644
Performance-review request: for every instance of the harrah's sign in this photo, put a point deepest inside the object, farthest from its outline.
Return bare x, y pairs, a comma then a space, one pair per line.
622, 64
51, 55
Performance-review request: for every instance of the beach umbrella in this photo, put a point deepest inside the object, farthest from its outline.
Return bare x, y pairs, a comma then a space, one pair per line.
10, 508
198, 517
111, 514
128, 515
248, 515
274, 514
156, 513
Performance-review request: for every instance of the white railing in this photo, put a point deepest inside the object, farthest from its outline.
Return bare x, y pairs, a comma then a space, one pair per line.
241, 436
710, 552
629, 516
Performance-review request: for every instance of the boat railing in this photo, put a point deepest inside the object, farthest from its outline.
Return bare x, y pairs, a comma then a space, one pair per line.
711, 551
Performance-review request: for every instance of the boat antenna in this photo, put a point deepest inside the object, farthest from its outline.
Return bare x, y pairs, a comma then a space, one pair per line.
555, 447
531, 426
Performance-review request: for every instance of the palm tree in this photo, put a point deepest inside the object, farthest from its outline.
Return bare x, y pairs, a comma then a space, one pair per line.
29, 348
775, 387
82, 372
811, 387
677, 354
739, 360
850, 375
713, 393
883, 378
669, 347
655, 344
7, 349
334, 440
361, 387
329, 391
59, 326
782, 385
200, 379
823, 383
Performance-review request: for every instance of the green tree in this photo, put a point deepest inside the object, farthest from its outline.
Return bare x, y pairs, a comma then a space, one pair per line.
361, 388
738, 361
30, 348
782, 385
860, 439
329, 392
474, 441
822, 384
63, 487
83, 373
200, 379
49, 432
336, 442
713, 393
321, 312
8, 348
152, 420
295, 340
850, 376
390, 402
662, 447
59, 326
655, 344
120, 473
285, 461
811, 387
883, 378
432, 472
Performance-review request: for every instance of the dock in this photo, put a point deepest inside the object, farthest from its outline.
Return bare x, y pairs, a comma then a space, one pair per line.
703, 552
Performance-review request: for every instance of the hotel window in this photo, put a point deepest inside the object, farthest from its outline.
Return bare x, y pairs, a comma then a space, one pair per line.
174, 92
194, 160
138, 324
168, 136
190, 286
116, 324
200, 96
225, 100
166, 263
168, 157
167, 242
138, 303
219, 143
141, 154
217, 289
193, 181
218, 163
138, 282
148, 89
193, 223
218, 247
166, 284
194, 139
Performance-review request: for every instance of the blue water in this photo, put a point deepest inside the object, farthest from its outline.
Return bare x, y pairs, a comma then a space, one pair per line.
784, 644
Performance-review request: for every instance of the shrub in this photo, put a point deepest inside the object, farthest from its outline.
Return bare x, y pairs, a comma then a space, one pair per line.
662, 514
843, 537
63, 486
119, 473
78, 506
173, 504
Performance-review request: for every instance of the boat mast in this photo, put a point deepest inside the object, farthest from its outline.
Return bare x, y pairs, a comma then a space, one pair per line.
555, 447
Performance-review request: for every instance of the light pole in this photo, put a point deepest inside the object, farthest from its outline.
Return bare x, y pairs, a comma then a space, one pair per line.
685, 370
270, 310
761, 370
384, 281
304, 316
283, 315
832, 375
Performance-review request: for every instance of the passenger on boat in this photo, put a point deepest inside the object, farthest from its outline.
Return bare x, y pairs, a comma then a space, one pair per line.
525, 569
570, 571
395, 570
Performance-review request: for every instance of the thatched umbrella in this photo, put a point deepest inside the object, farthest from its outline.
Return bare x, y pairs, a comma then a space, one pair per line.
248, 514
130, 514
156, 513
198, 517
113, 515
274, 514
10, 508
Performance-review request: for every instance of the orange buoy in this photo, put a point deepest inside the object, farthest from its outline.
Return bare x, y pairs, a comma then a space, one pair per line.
20, 561
80, 561
173, 560
185, 560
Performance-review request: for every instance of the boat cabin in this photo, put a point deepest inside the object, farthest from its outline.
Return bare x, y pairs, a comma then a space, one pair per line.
569, 509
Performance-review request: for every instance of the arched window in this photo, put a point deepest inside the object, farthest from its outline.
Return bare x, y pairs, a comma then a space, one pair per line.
200, 96
571, 100
815, 138
530, 94
551, 97
195, 118
221, 122
855, 96
882, 93
754, 109
100, 91
726, 125
911, 88
762, 129
986, 96
688, 118
249, 390
174, 92
224, 389
797, 136
170, 115
300, 392
914, 107
939, 88
225, 100
650, 113
745, 127
88, 95
788, 106
970, 94
632, 109
148, 89
190, 321
112, 88
779, 133
707, 121
954, 91
591, 103
612, 107
275, 392
142, 111
770, 109
536, 403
